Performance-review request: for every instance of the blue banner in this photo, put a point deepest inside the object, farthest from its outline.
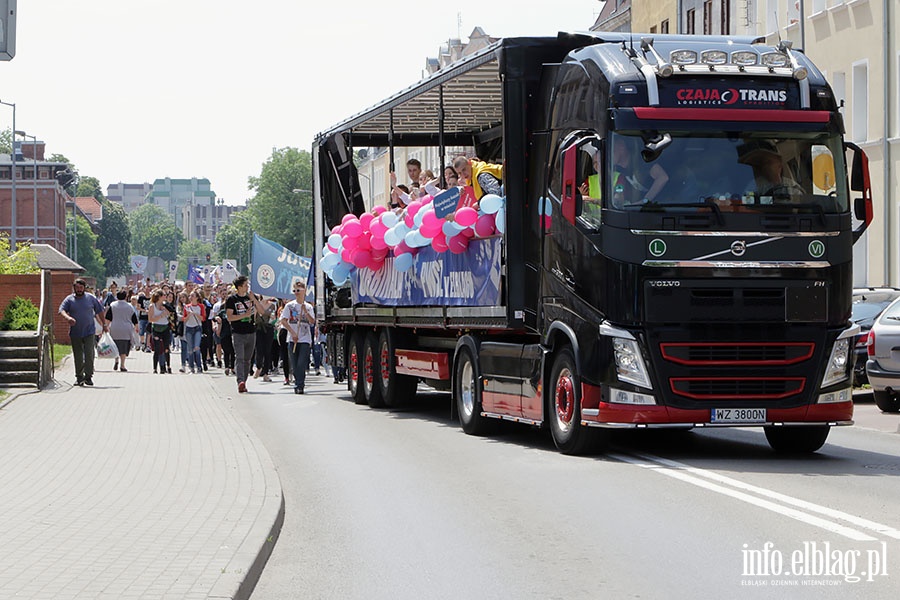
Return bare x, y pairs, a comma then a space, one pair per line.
471, 278
194, 275
275, 269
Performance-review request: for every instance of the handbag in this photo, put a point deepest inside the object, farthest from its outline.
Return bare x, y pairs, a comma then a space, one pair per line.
106, 347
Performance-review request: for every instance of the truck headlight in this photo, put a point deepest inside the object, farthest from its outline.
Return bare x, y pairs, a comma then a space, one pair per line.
836, 370
629, 363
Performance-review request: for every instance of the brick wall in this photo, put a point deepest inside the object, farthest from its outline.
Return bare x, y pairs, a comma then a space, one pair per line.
29, 286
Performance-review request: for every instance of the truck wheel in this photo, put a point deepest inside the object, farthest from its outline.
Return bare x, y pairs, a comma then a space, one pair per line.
371, 372
569, 435
467, 389
796, 440
397, 390
886, 401
354, 367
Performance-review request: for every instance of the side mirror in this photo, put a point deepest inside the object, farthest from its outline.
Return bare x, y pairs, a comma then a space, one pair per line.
860, 182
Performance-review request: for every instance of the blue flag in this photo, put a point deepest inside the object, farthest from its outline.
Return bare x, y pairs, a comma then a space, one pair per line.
275, 269
194, 275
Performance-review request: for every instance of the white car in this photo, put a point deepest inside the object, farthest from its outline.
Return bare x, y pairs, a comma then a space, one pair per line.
883, 364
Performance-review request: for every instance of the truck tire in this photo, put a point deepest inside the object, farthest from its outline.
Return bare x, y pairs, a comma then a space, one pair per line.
886, 401
564, 414
467, 393
371, 372
396, 390
354, 367
797, 440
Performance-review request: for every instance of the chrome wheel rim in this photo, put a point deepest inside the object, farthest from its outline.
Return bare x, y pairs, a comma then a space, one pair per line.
467, 388
564, 399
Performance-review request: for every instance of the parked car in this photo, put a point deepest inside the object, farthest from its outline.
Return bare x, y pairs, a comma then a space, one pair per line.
883, 364
868, 303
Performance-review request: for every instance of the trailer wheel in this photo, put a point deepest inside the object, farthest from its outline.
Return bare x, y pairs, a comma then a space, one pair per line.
886, 401
397, 390
354, 367
569, 435
467, 390
371, 372
797, 440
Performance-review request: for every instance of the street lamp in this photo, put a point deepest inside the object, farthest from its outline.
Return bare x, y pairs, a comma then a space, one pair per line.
12, 222
300, 191
34, 239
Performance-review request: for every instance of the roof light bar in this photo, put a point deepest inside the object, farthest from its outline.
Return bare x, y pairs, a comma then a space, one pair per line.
683, 57
713, 57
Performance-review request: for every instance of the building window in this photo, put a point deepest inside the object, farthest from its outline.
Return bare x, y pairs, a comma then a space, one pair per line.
44, 173
707, 17
726, 16
664, 26
653, 29
860, 102
691, 25
5, 173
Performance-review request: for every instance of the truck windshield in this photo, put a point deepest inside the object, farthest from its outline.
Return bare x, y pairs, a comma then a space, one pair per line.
738, 172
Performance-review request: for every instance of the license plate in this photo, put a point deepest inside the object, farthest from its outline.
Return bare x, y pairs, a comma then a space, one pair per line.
738, 415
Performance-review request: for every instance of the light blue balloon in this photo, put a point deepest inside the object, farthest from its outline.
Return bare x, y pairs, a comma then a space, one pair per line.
417, 220
403, 262
389, 219
340, 273
335, 241
450, 228
490, 203
391, 237
500, 221
329, 261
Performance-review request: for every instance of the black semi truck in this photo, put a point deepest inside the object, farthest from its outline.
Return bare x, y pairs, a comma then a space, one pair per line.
675, 250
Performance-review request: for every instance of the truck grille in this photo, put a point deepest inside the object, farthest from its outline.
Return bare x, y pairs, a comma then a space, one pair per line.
737, 353
737, 388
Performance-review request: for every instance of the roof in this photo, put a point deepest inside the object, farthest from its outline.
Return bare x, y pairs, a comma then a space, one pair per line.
91, 207
51, 259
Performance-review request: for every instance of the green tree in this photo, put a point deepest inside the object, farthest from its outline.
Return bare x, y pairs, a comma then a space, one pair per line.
115, 239
22, 262
235, 239
61, 159
89, 256
90, 186
6, 141
276, 211
153, 232
194, 249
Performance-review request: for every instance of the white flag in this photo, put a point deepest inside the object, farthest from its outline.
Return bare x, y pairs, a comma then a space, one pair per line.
173, 268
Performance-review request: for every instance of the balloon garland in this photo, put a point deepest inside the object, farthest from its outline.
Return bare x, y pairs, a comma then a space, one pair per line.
367, 242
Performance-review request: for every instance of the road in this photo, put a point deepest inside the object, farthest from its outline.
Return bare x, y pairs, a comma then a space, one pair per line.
402, 504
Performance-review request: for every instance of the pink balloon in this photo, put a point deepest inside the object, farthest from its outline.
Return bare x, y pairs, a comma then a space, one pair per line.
366, 219
353, 228
380, 253
439, 243
360, 258
348, 217
350, 243
430, 219
364, 242
336, 228
379, 209
426, 199
484, 226
378, 242
376, 265
469, 233
345, 256
466, 216
377, 227
408, 219
430, 231
413, 208
401, 248
458, 243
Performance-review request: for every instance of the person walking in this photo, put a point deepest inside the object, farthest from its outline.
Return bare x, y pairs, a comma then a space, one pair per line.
240, 308
158, 314
297, 318
194, 314
82, 311
123, 321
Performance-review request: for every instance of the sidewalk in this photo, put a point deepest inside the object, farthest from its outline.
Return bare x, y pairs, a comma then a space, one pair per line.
144, 486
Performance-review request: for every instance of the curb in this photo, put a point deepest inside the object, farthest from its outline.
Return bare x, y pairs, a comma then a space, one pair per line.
243, 571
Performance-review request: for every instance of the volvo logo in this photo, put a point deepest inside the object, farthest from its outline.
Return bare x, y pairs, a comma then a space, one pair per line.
665, 283
738, 247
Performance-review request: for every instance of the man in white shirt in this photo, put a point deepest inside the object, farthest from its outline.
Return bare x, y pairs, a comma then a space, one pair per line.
297, 317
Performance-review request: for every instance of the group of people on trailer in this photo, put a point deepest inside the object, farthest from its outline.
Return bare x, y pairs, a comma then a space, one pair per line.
483, 177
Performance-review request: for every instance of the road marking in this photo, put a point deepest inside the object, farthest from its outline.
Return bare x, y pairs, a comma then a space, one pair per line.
717, 483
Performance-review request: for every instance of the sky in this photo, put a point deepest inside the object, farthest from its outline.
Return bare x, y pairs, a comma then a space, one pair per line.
135, 90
